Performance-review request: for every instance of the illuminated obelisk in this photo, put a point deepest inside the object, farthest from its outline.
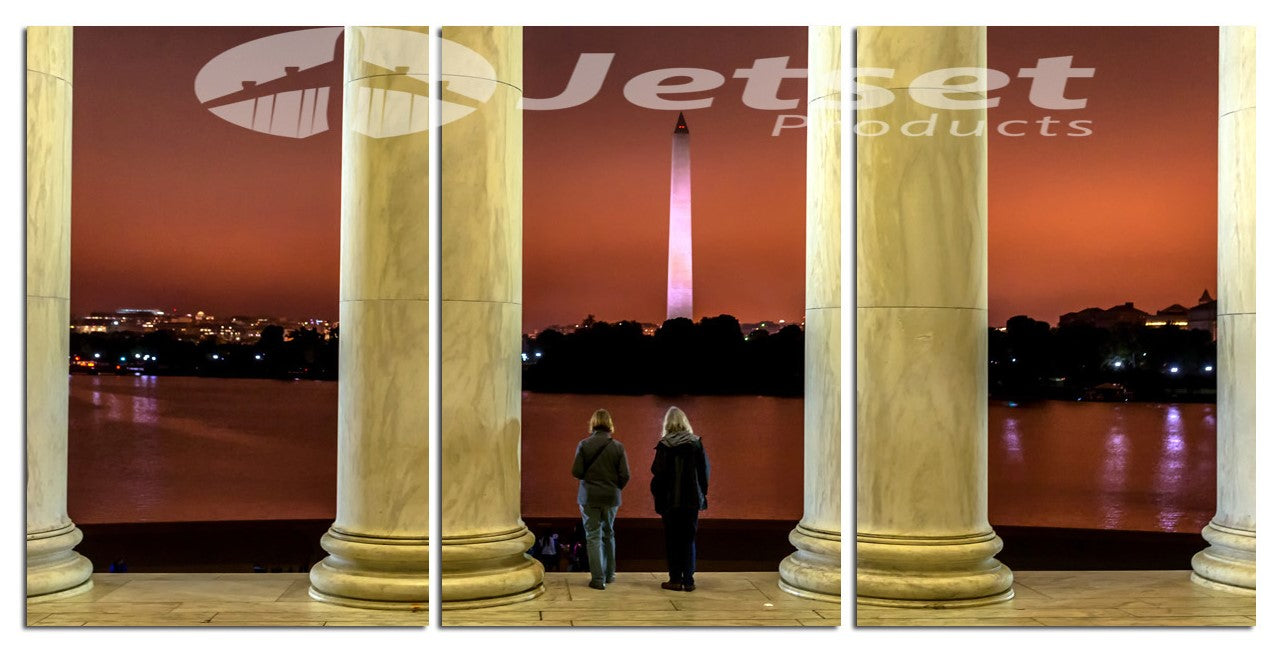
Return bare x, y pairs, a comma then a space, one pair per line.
678, 295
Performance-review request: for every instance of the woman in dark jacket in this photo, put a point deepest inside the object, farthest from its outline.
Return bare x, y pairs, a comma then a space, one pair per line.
680, 484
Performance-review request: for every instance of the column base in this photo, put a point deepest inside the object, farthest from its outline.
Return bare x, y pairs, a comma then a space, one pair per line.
366, 571
815, 570
490, 570
54, 570
924, 572
1229, 562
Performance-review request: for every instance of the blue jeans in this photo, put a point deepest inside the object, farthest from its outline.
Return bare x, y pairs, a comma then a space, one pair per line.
600, 543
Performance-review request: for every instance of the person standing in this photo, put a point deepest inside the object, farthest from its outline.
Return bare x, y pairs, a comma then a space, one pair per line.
680, 489
601, 467
548, 553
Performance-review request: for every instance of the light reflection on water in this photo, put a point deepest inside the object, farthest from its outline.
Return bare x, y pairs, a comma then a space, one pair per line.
1114, 474
150, 449
1171, 468
1128, 466
145, 406
1011, 440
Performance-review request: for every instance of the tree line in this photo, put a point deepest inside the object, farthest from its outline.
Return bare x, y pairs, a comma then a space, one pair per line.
707, 357
1080, 361
1027, 360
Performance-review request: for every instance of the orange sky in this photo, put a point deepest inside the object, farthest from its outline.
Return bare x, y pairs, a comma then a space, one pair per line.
596, 181
1126, 214
174, 207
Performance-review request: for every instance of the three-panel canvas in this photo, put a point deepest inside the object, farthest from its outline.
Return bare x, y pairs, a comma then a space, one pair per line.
553, 326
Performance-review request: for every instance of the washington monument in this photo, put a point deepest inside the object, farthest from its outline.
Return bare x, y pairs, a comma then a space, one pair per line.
678, 295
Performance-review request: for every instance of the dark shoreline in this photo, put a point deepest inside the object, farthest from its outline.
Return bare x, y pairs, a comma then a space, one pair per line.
722, 544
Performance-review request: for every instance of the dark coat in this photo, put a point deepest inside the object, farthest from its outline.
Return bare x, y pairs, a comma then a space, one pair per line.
680, 477
607, 475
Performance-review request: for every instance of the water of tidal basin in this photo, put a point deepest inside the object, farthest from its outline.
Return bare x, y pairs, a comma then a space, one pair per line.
171, 449
754, 443
150, 449
1128, 466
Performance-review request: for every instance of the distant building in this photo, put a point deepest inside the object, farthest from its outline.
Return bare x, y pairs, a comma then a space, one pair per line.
1198, 317
1202, 315
119, 320
772, 327
1174, 315
1125, 313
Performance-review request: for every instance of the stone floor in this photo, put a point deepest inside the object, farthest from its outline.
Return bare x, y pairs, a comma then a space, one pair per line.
636, 599
1163, 598
1143, 598
206, 600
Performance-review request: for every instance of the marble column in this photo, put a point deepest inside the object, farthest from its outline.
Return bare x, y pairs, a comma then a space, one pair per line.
378, 545
484, 537
922, 535
815, 570
54, 570
1229, 562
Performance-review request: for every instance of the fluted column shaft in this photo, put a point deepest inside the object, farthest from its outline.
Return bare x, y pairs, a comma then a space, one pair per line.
484, 537
815, 570
379, 542
54, 570
922, 534
1229, 561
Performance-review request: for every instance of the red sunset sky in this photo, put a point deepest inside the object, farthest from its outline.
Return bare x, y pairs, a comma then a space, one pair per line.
174, 207
597, 178
1126, 214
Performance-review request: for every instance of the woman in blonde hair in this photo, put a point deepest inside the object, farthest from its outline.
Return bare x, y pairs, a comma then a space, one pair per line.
680, 485
601, 466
